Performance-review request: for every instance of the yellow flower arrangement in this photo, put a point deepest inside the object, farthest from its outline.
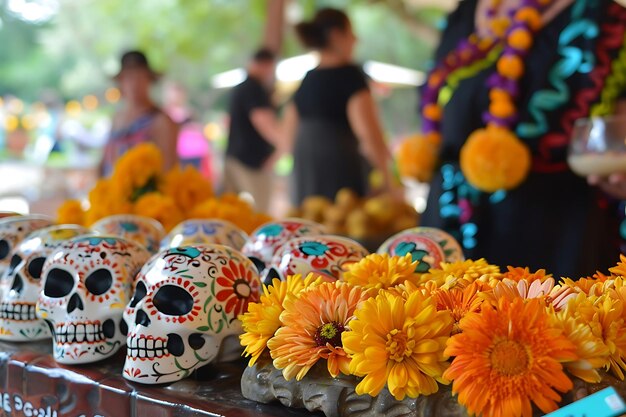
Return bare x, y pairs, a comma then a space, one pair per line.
263, 318
398, 343
312, 329
71, 212
138, 185
381, 271
507, 357
462, 273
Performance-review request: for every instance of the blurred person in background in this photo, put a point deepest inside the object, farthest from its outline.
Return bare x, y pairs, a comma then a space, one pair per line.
333, 120
193, 148
139, 120
255, 133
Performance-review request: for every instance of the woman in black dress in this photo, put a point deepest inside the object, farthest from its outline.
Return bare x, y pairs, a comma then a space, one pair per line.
554, 219
333, 117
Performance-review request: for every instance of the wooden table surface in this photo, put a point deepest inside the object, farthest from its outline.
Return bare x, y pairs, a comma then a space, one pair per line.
33, 384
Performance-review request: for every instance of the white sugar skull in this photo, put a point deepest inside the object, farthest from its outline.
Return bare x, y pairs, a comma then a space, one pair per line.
184, 312
86, 285
15, 228
202, 232
325, 255
22, 283
269, 237
143, 230
427, 245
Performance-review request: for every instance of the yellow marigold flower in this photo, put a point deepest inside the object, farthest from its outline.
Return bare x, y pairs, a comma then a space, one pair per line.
507, 357
159, 207
103, 201
187, 187
417, 157
262, 319
469, 271
230, 207
459, 302
71, 212
312, 329
381, 271
136, 169
620, 268
591, 350
604, 315
399, 343
494, 159
546, 291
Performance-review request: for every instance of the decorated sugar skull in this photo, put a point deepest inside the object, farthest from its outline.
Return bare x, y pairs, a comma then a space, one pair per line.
427, 245
268, 238
86, 285
15, 228
325, 255
184, 311
143, 230
22, 283
202, 232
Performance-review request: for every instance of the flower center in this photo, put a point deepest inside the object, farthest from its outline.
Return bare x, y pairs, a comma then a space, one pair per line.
398, 345
242, 288
329, 333
509, 358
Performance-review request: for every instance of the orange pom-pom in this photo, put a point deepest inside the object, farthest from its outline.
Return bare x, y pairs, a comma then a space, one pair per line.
497, 94
520, 39
531, 16
502, 108
499, 26
417, 156
433, 112
495, 159
510, 66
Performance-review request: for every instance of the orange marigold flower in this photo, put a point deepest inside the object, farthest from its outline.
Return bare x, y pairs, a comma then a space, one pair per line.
187, 187
313, 325
417, 157
494, 159
507, 357
161, 208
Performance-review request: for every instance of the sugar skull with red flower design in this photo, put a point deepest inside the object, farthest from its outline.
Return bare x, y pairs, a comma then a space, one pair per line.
183, 314
327, 256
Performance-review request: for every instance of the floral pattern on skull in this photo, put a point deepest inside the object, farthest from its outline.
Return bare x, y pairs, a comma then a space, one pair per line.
327, 256
22, 283
143, 230
184, 311
202, 232
269, 237
86, 285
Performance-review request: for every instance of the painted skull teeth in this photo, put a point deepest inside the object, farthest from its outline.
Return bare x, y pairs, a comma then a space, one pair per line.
17, 311
87, 332
141, 347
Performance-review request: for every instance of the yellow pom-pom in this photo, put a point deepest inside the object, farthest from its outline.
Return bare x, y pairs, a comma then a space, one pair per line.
520, 39
502, 108
529, 15
433, 112
417, 156
511, 66
495, 159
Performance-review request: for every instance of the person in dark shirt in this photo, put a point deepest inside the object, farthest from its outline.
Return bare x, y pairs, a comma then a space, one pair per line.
333, 118
254, 133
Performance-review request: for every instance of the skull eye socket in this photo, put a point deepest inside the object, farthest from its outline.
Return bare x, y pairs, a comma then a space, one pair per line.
173, 300
99, 281
15, 261
5, 248
59, 283
35, 267
140, 293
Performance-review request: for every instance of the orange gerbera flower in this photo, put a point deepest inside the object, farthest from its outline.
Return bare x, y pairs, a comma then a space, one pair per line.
518, 274
262, 319
556, 296
620, 268
588, 285
507, 357
459, 302
312, 328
